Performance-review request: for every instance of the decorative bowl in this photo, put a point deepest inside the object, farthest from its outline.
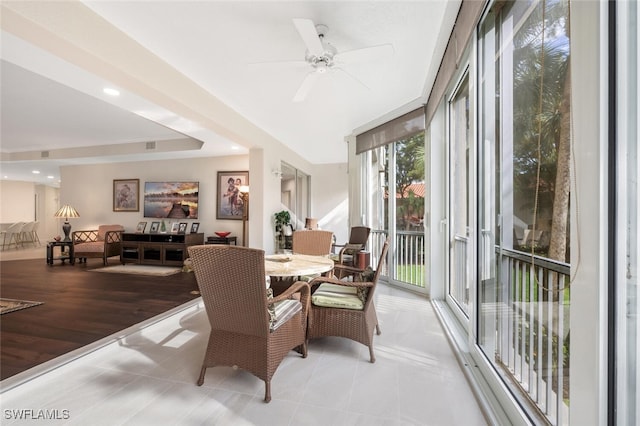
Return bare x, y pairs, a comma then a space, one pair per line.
222, 234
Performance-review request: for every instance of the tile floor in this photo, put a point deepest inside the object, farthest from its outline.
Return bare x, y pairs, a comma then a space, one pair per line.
147, 376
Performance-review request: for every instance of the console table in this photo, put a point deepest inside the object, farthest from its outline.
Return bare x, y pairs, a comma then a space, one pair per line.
222, 240
157, 249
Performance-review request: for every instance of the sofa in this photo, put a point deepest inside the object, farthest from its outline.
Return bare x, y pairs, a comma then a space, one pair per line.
104, 242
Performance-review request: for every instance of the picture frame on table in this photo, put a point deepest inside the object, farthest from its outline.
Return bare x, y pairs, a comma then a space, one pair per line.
182, 228
155, 226
141, 227
229, 203
175, 226
194, 227
126, 195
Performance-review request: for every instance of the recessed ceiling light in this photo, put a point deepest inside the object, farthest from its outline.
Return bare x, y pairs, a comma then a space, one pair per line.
50, 177
235, 147
111, 92
35, 172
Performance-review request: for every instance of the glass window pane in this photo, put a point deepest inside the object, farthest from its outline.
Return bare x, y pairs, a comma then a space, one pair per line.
459, 173
524, 187
409, 210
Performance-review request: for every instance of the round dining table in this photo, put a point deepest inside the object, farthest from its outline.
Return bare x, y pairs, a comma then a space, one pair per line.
292, 265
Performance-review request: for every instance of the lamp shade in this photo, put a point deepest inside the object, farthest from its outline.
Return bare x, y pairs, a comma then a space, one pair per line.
244, 189
66, 211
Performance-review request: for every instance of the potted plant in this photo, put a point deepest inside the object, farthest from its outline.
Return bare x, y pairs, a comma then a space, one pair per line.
283, 219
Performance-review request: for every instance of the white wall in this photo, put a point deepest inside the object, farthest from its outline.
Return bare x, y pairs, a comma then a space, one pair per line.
89, 189
37, 202
330, 199
46, 206
18, 201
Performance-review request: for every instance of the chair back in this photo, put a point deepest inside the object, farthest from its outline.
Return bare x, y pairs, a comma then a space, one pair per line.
359, 235
15, 228
312, 242
232, 284
376, 274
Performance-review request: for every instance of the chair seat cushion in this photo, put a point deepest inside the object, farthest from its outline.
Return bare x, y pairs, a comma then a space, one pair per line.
337, 296
90, 247
283, 311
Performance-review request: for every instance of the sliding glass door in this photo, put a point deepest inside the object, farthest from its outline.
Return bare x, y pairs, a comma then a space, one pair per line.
396, 185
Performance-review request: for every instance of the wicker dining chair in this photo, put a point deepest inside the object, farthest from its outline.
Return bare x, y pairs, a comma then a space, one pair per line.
345, 308
313, 242
358, 237
248, 329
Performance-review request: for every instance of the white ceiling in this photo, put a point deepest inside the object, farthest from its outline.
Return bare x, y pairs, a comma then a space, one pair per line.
215, 43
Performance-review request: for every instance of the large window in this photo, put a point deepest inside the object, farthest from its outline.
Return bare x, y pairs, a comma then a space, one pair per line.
523, 215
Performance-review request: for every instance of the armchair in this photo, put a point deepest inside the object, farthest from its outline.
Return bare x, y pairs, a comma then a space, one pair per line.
345, 308
248, 329
104, 242
357, 241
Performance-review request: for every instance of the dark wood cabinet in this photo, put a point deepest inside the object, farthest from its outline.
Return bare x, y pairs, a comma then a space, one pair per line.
157, 249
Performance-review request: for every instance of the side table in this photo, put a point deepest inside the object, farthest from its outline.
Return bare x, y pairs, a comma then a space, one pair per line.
64, 254
222, 240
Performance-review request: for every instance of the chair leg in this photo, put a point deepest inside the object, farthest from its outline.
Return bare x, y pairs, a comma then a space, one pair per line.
201, 378
267, 390
378, 332
372, 357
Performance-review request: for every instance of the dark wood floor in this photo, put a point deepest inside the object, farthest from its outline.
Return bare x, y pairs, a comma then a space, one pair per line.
80, 307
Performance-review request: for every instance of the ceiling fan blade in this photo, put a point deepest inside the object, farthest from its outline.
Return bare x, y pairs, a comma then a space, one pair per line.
309, 34
308, 83
353, 77
381, 51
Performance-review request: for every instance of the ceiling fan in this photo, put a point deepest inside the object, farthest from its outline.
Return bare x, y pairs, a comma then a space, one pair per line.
324, 59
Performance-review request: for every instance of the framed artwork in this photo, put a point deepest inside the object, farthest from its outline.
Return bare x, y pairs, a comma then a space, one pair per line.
141, 227
229, 203
126, 195
194, 227
175, 226
154, 227
182, 228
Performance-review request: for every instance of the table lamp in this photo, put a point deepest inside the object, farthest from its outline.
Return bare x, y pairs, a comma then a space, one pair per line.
244, 195
66, 211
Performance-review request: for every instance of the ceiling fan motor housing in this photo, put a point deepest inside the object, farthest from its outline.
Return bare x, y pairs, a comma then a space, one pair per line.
323, 61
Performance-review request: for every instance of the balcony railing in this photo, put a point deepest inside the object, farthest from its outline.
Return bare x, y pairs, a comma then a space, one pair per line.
533, 331
408, 259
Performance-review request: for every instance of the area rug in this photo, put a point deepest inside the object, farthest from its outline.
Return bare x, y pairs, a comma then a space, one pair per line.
156, 271
12, 305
